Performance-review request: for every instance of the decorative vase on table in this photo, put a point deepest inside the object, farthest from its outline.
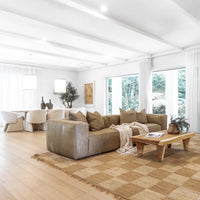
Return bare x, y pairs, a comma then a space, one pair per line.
43, 105
173, 129
177, 125
49, 105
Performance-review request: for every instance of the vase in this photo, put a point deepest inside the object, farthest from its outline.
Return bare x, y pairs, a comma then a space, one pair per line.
173, 129
49, 105
43, 105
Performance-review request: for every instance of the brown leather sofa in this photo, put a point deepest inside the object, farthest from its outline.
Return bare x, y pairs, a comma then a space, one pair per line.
74, 140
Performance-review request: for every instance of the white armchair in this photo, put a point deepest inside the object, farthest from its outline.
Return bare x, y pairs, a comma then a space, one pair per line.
35, 120
11, 121
56, 114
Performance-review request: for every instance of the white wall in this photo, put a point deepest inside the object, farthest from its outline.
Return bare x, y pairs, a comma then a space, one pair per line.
46, 84
171, 61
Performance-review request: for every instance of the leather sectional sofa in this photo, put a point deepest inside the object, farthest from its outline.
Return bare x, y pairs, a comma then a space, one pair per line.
74, 140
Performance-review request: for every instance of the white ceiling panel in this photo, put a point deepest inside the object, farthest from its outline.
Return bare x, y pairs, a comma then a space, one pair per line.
76, 34
190, 6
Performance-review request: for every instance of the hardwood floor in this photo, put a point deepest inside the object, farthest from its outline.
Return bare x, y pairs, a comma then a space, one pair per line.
23, 178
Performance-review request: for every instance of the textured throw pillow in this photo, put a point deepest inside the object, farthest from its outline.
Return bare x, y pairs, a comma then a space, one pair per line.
79, 116
141, 116
127, 116
95, 121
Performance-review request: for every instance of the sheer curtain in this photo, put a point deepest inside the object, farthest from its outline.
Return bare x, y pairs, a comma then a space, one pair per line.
145, 85
193, 87
13, 96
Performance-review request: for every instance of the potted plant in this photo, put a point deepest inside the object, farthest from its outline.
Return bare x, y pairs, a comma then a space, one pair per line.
69, 96
178, 124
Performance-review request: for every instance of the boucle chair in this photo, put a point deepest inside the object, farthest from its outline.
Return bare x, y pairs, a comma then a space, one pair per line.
35, 120
11, 121
56, 114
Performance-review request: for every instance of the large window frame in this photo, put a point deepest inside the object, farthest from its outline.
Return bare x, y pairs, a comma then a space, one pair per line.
172, 92
107, 91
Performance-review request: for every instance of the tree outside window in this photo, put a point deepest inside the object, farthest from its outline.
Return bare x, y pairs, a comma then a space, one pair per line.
162, 97
122, 92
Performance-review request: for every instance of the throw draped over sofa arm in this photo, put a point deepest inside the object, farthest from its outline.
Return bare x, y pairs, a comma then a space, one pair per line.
68, 138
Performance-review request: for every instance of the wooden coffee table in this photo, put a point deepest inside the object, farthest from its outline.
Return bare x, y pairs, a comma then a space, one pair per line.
162, 142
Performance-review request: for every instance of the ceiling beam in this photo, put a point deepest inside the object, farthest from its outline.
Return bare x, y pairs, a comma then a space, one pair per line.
56, 44
75, 32
50, 54
39, 66
94, 13
186, 12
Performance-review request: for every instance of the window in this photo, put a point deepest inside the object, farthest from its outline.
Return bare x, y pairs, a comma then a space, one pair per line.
122, 92
181, 92
30, 82
169, 92
18, 86
60, 86
158, 93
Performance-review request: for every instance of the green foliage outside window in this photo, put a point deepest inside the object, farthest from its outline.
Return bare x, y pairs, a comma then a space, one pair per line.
158, 89
110, 96
181, 92
159, 97
130, 92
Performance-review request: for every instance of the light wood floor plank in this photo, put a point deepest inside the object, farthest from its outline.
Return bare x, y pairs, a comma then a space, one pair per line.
22, 177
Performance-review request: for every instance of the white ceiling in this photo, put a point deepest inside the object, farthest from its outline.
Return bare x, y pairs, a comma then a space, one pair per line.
76, 35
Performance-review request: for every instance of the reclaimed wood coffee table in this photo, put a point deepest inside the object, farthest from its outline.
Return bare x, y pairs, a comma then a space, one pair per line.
161, 142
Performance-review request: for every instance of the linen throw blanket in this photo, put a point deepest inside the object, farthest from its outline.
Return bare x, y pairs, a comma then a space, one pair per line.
125, 131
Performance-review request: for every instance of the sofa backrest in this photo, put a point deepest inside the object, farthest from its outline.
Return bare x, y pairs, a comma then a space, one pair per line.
111, 119
160, 119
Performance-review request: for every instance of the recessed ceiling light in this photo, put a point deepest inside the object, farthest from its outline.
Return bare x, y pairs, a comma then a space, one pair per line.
104, 8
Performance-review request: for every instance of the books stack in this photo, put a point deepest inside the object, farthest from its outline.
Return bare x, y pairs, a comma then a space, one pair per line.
154, 134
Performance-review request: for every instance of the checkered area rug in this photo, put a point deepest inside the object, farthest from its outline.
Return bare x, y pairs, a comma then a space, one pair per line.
131, 177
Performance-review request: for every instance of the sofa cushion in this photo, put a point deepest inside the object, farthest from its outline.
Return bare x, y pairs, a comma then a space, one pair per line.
153, 127
111, 119
103, 140
141, 116
95, 121
79, 116
127, 116
160, 119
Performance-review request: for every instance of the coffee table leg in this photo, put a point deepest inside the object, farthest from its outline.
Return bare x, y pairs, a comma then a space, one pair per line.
169, 146
161, 152
140, 148
186, 144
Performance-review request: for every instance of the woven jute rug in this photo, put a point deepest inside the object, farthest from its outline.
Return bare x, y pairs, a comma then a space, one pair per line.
138, 178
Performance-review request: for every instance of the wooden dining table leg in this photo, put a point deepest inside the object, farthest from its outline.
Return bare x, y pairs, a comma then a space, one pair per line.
140, 148
186, 144
161, 152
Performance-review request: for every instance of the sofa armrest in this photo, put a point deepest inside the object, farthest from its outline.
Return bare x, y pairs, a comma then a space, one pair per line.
68, 138
160, 119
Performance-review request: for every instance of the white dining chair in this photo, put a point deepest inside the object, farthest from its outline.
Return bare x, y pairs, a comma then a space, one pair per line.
11, 121
35, 120
56, 114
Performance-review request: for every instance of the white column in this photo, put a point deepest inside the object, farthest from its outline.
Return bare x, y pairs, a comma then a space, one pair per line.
193, 88
145, 85
116, 94
171, 91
